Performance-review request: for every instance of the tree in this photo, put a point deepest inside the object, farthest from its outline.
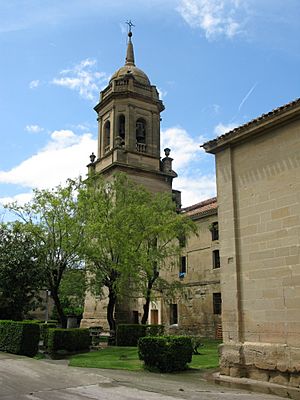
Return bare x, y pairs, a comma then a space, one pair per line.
53, 220
21, 275
108, 240
160, 226
129, 234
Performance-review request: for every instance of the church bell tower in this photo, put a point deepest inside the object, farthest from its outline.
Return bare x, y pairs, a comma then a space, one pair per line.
129, 129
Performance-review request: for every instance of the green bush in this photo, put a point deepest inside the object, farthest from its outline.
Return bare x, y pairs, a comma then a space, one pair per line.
68, 340
19, 337
165, 353
129, 334
155, 330
44, 331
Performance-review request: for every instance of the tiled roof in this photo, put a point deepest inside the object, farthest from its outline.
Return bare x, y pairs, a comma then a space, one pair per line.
252, 123
206, 207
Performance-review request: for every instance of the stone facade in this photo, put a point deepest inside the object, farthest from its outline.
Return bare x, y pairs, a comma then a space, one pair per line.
128, 116
258, 186
198, 307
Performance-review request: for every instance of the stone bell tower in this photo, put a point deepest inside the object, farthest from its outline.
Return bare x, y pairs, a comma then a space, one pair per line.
129, 129
129, 142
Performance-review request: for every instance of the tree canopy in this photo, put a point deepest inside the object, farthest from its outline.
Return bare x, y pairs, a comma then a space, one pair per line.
21, 274
52, 219
129, 233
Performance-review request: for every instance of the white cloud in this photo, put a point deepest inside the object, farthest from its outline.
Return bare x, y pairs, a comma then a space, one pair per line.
186, 152
220, 129
33, 128
21, 198
195, 188
83, 78
215, 17
184, 147
65, 156
162, 93
34, 84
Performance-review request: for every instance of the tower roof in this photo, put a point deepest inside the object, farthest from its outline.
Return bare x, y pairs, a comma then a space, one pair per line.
129, 68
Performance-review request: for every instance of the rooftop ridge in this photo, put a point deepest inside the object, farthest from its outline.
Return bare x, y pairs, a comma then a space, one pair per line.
262, 117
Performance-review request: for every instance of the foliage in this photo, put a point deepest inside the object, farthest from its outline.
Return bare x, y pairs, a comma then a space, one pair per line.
127, 357
129, 334
68, 340
165, 353
196, 343
129, 233
21, 274
52, 218
19, 337
155, 330
72, 292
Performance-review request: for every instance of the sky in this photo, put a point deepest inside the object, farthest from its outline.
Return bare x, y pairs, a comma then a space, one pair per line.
216, 63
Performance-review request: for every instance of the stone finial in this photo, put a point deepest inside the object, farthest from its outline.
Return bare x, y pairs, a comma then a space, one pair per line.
167, 151
92, 158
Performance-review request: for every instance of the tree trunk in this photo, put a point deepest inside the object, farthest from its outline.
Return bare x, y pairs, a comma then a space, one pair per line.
151, 281
111, 309
60, 312
146, 306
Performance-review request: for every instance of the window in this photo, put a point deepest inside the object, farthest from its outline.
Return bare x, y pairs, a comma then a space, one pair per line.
122, 126
216, 259
182, 267
107, 136
217, 303
140, 131
214, 231
173, 314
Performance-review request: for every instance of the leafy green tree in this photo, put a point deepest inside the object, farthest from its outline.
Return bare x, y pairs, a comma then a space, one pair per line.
21, 274
72, 292
129, 233
158, 225
52, 218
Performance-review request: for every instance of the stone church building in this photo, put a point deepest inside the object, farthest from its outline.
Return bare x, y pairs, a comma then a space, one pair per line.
245, 262
129, 142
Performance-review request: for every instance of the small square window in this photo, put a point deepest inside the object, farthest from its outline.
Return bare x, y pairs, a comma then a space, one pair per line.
216, 259
217, 303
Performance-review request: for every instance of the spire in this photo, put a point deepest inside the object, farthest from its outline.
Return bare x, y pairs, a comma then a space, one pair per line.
130, 52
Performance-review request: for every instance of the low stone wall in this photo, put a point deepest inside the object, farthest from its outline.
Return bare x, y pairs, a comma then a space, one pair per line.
274, 363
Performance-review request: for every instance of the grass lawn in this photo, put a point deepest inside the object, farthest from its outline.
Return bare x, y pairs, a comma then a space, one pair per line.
115, 357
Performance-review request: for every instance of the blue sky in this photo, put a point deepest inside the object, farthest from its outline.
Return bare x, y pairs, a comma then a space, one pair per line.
217, 65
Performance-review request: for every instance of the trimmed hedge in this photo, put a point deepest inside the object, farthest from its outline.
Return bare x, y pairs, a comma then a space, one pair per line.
19, 337
165, 353
129, 334
68, 340
44, 328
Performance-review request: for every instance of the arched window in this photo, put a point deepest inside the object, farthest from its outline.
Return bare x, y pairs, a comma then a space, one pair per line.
122, 126
107, 136
140, 130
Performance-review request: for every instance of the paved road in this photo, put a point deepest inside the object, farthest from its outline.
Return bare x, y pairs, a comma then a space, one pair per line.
23, 378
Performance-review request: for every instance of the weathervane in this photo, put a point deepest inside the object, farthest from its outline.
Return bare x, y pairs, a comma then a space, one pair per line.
130, 25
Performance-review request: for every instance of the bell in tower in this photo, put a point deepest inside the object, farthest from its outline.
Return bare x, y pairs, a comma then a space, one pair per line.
129, 128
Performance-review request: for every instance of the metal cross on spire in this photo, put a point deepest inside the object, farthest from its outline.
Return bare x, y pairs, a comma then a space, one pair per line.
130, 25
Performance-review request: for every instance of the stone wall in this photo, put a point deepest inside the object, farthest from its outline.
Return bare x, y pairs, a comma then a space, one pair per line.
258, 184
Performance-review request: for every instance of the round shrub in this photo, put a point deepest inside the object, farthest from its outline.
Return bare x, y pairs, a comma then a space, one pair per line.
165, 353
